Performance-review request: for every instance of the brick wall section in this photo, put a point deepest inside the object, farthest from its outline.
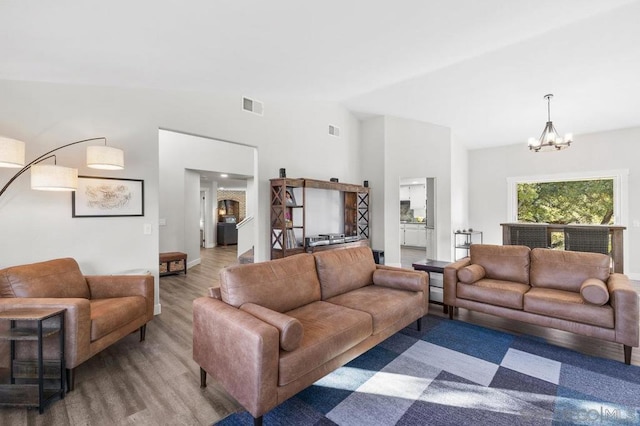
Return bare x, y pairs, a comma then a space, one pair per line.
240, 197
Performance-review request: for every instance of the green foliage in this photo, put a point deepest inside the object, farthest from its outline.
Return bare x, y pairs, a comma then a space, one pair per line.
583, 202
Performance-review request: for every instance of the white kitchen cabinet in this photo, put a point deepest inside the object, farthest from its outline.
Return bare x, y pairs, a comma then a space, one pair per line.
404, 193
418, 197
422, 235
413, 234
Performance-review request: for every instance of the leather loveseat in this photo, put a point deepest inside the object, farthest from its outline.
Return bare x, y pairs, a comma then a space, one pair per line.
100, 310
566, 290
274, 328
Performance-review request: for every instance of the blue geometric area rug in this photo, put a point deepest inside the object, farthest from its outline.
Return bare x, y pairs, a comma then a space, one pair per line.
455, 373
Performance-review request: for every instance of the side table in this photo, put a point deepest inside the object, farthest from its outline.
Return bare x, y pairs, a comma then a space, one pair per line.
26, 393
435, 269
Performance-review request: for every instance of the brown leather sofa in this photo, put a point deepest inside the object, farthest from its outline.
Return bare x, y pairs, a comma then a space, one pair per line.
100, 310
274, 328
566, 290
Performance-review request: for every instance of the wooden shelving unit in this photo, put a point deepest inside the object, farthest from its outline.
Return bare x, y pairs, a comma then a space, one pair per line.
288, 219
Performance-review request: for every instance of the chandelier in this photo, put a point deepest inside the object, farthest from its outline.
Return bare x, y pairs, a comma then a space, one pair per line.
549, 139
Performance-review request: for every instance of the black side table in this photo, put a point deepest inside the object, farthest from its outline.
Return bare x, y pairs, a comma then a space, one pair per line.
433, 267
26, 393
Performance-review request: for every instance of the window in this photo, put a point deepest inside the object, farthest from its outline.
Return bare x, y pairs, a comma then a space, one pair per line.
595, 198
584, 202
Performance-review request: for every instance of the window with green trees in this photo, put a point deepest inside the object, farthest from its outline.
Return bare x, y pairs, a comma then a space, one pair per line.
577, 201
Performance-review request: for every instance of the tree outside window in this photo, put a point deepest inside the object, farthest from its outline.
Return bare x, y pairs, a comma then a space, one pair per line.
585, 202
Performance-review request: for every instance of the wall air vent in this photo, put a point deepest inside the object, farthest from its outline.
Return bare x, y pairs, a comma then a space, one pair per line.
251, 105
334, 131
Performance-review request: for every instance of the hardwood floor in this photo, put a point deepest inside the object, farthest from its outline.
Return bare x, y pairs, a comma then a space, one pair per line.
156, 382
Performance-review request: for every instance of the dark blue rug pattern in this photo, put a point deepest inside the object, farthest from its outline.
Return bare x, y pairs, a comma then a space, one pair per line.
455, 373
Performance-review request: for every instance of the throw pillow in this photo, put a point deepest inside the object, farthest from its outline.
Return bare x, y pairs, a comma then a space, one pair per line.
470, 274
594, 291
290, 328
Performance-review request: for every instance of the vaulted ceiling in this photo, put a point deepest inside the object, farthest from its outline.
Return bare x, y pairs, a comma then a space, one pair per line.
478, 67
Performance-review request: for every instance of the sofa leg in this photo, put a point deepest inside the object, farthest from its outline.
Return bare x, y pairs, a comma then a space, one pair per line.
451, 308
419, 323
627, 354
143, 332
71, 379
203, 378
257, 421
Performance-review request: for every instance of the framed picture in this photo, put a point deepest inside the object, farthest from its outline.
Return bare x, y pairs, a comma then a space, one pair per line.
106, 197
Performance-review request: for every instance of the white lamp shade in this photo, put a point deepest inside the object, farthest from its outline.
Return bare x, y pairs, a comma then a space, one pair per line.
11, 153
47, 177
105, 157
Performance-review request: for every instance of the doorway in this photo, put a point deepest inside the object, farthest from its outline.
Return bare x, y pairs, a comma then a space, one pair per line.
417, 219
188, 165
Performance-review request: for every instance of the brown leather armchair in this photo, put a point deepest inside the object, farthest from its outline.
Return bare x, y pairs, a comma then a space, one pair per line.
100, 310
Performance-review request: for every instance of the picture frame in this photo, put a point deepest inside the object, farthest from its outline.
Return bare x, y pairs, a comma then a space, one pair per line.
107, 197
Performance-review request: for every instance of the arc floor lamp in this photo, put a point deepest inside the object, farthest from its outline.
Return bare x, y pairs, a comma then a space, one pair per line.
52, 177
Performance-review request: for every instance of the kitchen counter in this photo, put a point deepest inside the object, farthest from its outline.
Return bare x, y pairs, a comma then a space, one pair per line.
406, 222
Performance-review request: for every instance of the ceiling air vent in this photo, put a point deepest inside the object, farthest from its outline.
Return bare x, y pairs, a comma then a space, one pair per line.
251, 105
334, 131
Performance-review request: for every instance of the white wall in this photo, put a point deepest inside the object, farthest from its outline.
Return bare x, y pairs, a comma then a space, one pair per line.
191, 218
180, 156
210, 189
371, 168
393, 148
460, 189
37, 226
490, 168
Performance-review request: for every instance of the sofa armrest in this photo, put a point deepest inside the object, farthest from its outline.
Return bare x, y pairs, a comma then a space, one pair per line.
450, 278
291, 331
401, 279
112, 286
238, 350
215, 293
624, 300
77, 323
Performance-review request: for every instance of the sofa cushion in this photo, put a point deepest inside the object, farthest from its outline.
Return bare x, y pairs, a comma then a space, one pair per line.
329, 330
567, 305
108, 315
594, 291
508, 263
472, 273
387, 306
53, 278
290, 329
344, 270
280, 285
567, 270
400, 279
508, 294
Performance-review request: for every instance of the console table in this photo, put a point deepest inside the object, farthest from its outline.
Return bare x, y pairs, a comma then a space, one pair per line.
435, 269
44, 324
539, 235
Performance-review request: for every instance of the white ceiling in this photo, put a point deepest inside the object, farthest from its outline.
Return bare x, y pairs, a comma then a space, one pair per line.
478, 67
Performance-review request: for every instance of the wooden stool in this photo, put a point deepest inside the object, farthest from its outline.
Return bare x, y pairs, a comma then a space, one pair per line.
173, 262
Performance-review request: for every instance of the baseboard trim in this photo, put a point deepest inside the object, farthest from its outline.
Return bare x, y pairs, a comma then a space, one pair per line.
194, 263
